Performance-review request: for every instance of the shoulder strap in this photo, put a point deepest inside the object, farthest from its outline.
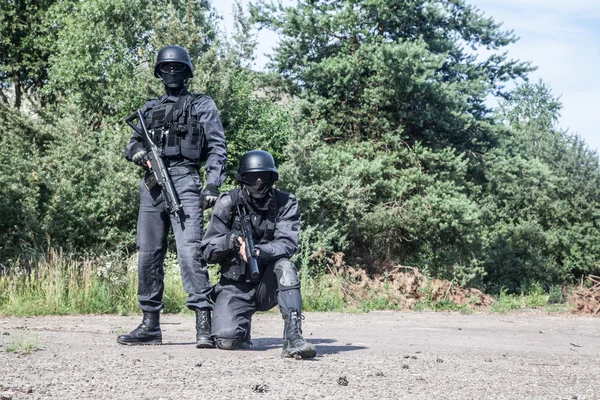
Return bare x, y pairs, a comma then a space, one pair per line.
177, 111
194, 129
279, 201
236, 199
271, 221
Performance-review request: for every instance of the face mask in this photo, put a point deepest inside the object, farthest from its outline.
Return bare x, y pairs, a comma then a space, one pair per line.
174, 80
259, 189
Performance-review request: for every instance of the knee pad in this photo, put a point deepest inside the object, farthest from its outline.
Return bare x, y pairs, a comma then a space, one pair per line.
287, 277
229, 339
226, 343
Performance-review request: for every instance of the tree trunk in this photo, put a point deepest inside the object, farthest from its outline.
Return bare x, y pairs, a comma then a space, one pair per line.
18, 92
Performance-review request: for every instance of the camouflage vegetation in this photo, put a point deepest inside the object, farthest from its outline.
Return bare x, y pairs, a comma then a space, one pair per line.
375, 111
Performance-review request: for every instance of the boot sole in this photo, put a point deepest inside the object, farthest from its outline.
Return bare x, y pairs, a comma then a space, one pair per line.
148, 343
205, 345
303, 353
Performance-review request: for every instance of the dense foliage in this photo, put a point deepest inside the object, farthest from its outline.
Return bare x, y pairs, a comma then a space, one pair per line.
68, 183
397, 159
375, 111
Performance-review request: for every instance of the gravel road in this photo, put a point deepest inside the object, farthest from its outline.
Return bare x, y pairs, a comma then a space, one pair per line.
376, 355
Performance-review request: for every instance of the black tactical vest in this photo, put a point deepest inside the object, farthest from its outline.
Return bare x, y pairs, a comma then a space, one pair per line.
276, 206
234, 268
174, 127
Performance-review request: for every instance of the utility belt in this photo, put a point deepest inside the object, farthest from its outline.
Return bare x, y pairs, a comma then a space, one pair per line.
183, 170
150, 179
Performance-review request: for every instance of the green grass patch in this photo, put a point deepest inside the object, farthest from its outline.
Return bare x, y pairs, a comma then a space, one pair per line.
22, 342
322, 294
59, 283
532, 296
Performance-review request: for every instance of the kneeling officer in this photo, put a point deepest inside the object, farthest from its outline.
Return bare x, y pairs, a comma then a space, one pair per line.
243, 289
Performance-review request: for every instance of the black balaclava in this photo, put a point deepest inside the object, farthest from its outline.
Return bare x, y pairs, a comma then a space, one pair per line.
175, 82
258, 193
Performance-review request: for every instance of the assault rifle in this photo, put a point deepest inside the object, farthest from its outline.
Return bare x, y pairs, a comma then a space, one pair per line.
246, 226
159, 174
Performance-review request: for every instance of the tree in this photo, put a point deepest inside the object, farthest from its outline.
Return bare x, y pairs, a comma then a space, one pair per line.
22, 141
252, 118
540, 199
27, 40
386, 157
105, 52
374, 66
67, 182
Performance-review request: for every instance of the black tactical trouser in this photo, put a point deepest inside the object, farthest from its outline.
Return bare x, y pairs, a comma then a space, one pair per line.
152, 230
236, 302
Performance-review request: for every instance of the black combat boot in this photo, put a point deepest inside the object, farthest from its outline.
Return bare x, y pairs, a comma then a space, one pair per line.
246, 342
148, 332
293, 342
204, 339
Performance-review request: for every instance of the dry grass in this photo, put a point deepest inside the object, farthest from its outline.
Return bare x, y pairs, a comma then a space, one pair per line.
586, 300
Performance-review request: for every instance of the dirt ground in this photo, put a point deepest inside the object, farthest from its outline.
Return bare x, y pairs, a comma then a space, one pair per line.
376, 355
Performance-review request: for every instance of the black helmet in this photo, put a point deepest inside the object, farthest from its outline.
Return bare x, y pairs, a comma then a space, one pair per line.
173, 54
256, 161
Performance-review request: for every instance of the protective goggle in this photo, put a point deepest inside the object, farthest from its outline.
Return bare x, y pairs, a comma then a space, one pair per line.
172, 67
251, 178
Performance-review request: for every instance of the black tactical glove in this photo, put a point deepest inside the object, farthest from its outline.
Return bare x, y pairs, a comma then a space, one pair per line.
209, 196
232, 240
140, 155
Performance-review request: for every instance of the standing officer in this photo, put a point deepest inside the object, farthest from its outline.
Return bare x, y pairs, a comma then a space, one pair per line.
275, 220
187, 128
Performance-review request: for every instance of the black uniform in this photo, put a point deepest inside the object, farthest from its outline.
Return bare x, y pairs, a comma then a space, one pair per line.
236, 298
188, 129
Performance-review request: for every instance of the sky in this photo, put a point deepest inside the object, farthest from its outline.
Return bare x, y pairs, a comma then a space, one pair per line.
560, 37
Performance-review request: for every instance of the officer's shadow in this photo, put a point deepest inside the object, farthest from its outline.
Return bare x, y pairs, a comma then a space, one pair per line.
324, 346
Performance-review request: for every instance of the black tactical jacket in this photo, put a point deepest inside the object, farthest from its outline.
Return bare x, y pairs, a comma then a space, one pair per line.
209, 124
283, 244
